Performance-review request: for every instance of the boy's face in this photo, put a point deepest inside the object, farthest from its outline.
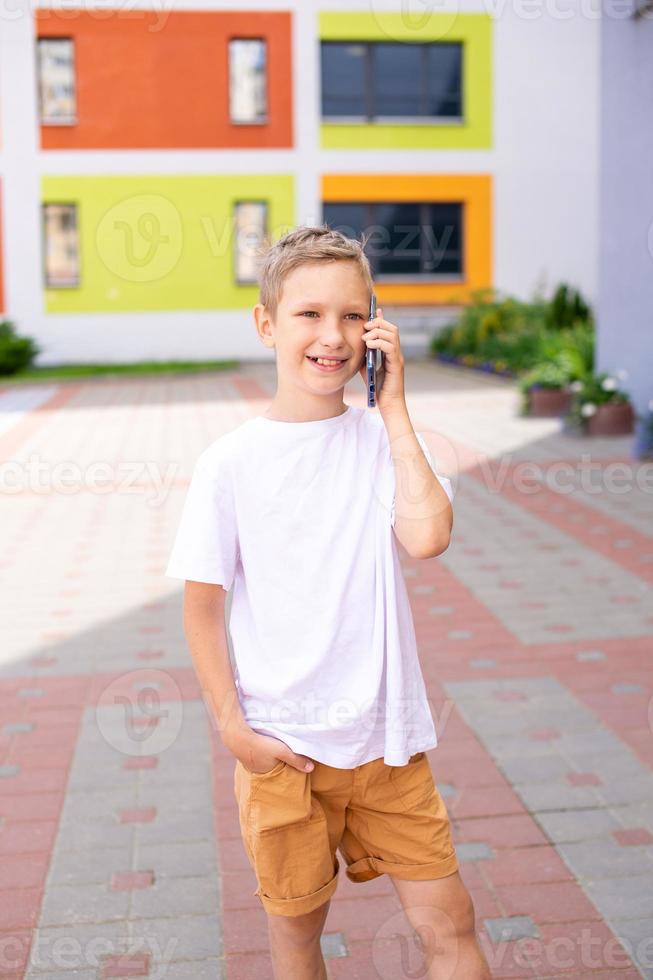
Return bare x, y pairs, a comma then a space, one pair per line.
322, 312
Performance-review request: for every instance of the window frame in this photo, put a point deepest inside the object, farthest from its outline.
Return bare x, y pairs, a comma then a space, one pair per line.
425, 215
369, 94
44, 120
266, 226
47, 284
265, 120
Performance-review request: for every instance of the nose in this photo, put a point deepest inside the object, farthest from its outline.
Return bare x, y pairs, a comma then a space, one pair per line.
332, 332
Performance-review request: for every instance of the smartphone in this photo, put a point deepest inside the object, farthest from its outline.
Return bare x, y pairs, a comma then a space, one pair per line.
374, 374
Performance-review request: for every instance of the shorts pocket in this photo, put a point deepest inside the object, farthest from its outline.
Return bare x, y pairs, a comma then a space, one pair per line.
293, 860
278, 799
413, 783
270, 772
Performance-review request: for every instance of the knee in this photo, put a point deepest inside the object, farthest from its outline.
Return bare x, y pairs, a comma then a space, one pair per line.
299, 930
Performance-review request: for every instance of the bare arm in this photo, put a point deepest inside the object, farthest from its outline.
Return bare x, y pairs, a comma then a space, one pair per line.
423, 512
206, 635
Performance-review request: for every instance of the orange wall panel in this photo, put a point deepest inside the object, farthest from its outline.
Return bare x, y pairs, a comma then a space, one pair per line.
155, 79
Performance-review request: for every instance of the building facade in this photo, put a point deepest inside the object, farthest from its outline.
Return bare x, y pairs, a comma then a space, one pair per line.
146, 152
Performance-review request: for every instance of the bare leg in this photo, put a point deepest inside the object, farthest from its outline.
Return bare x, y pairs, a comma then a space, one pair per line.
442, 913
295, 945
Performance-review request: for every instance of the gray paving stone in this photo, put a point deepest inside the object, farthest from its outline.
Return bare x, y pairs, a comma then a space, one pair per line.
511, 927
176, 896
446, 789
538, 769
177, 826
474, 851
606, 858
622, 897
87, 867
206, 969
558, 796
631, 789
177, 860
82, 903
75, 946
333, 945
625, 687
17, 727
577, 825
187, 937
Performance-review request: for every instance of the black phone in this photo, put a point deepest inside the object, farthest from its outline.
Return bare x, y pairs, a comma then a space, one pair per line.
374, 373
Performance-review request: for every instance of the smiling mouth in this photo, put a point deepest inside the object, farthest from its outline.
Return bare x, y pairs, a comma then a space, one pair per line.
328, 362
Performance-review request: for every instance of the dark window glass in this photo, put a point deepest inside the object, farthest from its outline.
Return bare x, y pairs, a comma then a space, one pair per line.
402, 253
444, 80
404, 239
343, 79
398, 78
442, 240
398, 81
350, 219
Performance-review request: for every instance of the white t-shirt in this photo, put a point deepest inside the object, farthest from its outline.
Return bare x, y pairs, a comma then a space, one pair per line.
298, 517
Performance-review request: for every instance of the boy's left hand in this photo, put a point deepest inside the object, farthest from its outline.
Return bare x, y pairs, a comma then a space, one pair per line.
384, 335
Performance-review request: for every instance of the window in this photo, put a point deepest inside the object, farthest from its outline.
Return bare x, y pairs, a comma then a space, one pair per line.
414, 240
61, 246
247, 81
251, 231
56, 80
376, 81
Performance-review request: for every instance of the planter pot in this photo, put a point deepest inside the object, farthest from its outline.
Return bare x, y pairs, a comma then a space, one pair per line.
612, 419
548, 401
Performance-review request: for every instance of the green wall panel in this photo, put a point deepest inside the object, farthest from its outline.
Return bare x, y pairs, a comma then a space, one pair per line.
156, 242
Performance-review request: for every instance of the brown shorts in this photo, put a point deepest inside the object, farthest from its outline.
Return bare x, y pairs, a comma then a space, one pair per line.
382, 819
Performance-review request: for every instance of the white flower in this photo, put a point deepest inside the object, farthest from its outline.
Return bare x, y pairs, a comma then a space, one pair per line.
622, 374
587, 409
609, 384
576, 385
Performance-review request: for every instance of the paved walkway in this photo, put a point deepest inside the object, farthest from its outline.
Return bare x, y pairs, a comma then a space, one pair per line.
120, 852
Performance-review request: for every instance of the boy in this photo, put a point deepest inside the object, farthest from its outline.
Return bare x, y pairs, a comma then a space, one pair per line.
325, 708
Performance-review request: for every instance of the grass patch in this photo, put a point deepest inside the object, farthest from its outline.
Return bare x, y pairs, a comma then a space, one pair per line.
62, 372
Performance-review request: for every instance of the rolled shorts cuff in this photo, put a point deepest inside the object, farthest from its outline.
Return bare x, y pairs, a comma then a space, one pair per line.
371, 867
304, 903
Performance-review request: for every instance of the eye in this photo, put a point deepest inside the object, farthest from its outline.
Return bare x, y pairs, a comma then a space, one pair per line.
357, 315
309, 313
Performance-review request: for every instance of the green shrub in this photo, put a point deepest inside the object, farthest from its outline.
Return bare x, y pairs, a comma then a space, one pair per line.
16, 352
566, 308
522, 334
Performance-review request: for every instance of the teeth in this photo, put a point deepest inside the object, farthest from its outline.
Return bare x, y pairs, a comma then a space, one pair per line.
321, 360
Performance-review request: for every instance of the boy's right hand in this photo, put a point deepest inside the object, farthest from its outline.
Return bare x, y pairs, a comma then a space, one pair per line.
260, 753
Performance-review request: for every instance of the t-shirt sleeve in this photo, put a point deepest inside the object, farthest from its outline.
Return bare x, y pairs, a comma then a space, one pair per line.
206, 545
445, 481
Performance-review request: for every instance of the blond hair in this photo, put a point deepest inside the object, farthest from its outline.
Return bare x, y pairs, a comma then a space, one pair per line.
308, 243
